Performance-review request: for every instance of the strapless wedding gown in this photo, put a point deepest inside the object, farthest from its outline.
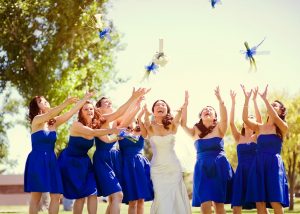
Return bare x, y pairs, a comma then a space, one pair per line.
170, 194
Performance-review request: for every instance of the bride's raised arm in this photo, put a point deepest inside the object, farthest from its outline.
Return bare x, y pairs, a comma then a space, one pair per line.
183, 122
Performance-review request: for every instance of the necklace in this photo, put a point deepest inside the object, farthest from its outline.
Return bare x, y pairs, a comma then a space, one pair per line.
160, 124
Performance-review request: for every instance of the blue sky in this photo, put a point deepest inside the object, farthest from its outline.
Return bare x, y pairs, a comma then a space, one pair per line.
203, 46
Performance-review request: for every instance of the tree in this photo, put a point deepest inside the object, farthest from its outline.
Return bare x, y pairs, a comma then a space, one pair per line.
291, 146
50, 48
9, 105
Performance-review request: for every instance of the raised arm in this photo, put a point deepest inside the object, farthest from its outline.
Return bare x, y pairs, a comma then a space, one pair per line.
121, 110
147, 122
141, 124
130, 115
233, 128
257, 113
282, 125
66, 116
223, 113
42, 118
252, 124
79, 129
183, 122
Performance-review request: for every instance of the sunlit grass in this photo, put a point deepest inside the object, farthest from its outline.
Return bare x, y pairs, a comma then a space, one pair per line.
102, 208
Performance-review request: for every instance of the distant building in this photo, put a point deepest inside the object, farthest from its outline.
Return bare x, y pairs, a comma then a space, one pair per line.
12, 190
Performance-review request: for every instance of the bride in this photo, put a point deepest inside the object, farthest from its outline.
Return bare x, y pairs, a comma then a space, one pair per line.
170, 194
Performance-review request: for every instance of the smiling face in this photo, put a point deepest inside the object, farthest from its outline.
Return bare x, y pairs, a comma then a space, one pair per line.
277, 107
208, 114
43, 104
160, 108
87, 112
106, 106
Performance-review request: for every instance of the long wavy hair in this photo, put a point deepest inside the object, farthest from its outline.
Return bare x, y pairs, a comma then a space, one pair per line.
281, 115
34, 110
167, 120
96, 120
202, 128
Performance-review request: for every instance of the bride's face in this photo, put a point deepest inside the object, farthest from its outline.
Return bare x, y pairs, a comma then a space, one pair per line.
160, 109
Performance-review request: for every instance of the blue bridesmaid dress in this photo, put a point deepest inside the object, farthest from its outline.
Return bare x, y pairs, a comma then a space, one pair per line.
213, 173
76, 168
267, 177
107, 168
136, 181
42, 172
246, 154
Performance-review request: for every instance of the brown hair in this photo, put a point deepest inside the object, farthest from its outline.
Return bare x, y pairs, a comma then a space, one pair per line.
35, 110
97, 120
202, 128
98, 104
282, 117
167, 120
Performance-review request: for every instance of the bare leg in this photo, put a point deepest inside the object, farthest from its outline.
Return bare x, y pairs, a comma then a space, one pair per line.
219, 208
140, 206
92, 204
35, 198
132, 208
78, 206
115, 206
108, 206
206, 207
237, 210
54, 203
261, 208
277, 207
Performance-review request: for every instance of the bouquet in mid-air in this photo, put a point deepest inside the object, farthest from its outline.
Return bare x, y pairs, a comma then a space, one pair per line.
158, 60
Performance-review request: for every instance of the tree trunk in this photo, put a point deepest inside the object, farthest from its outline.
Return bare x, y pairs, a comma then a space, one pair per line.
291, 207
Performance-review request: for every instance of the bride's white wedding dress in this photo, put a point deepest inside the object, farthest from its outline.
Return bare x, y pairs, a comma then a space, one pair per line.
170, 195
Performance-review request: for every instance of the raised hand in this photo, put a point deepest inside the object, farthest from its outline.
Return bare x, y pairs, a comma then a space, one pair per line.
141, 114
246, 93
186, 98
89, 94
264, 94
140, 100
140, 92
71, 100
232, 95
255, 92
217, 93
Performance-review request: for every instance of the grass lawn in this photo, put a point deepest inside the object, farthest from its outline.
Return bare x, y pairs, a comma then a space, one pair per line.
102, 207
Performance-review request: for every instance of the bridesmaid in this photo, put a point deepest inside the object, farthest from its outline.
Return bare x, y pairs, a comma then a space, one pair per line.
267, 177
41, 170
246, 151
136, 182
213, 173
106, 159
74, 159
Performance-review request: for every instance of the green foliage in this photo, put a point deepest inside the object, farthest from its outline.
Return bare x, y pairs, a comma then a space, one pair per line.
291, 145
50, 48
9, 108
